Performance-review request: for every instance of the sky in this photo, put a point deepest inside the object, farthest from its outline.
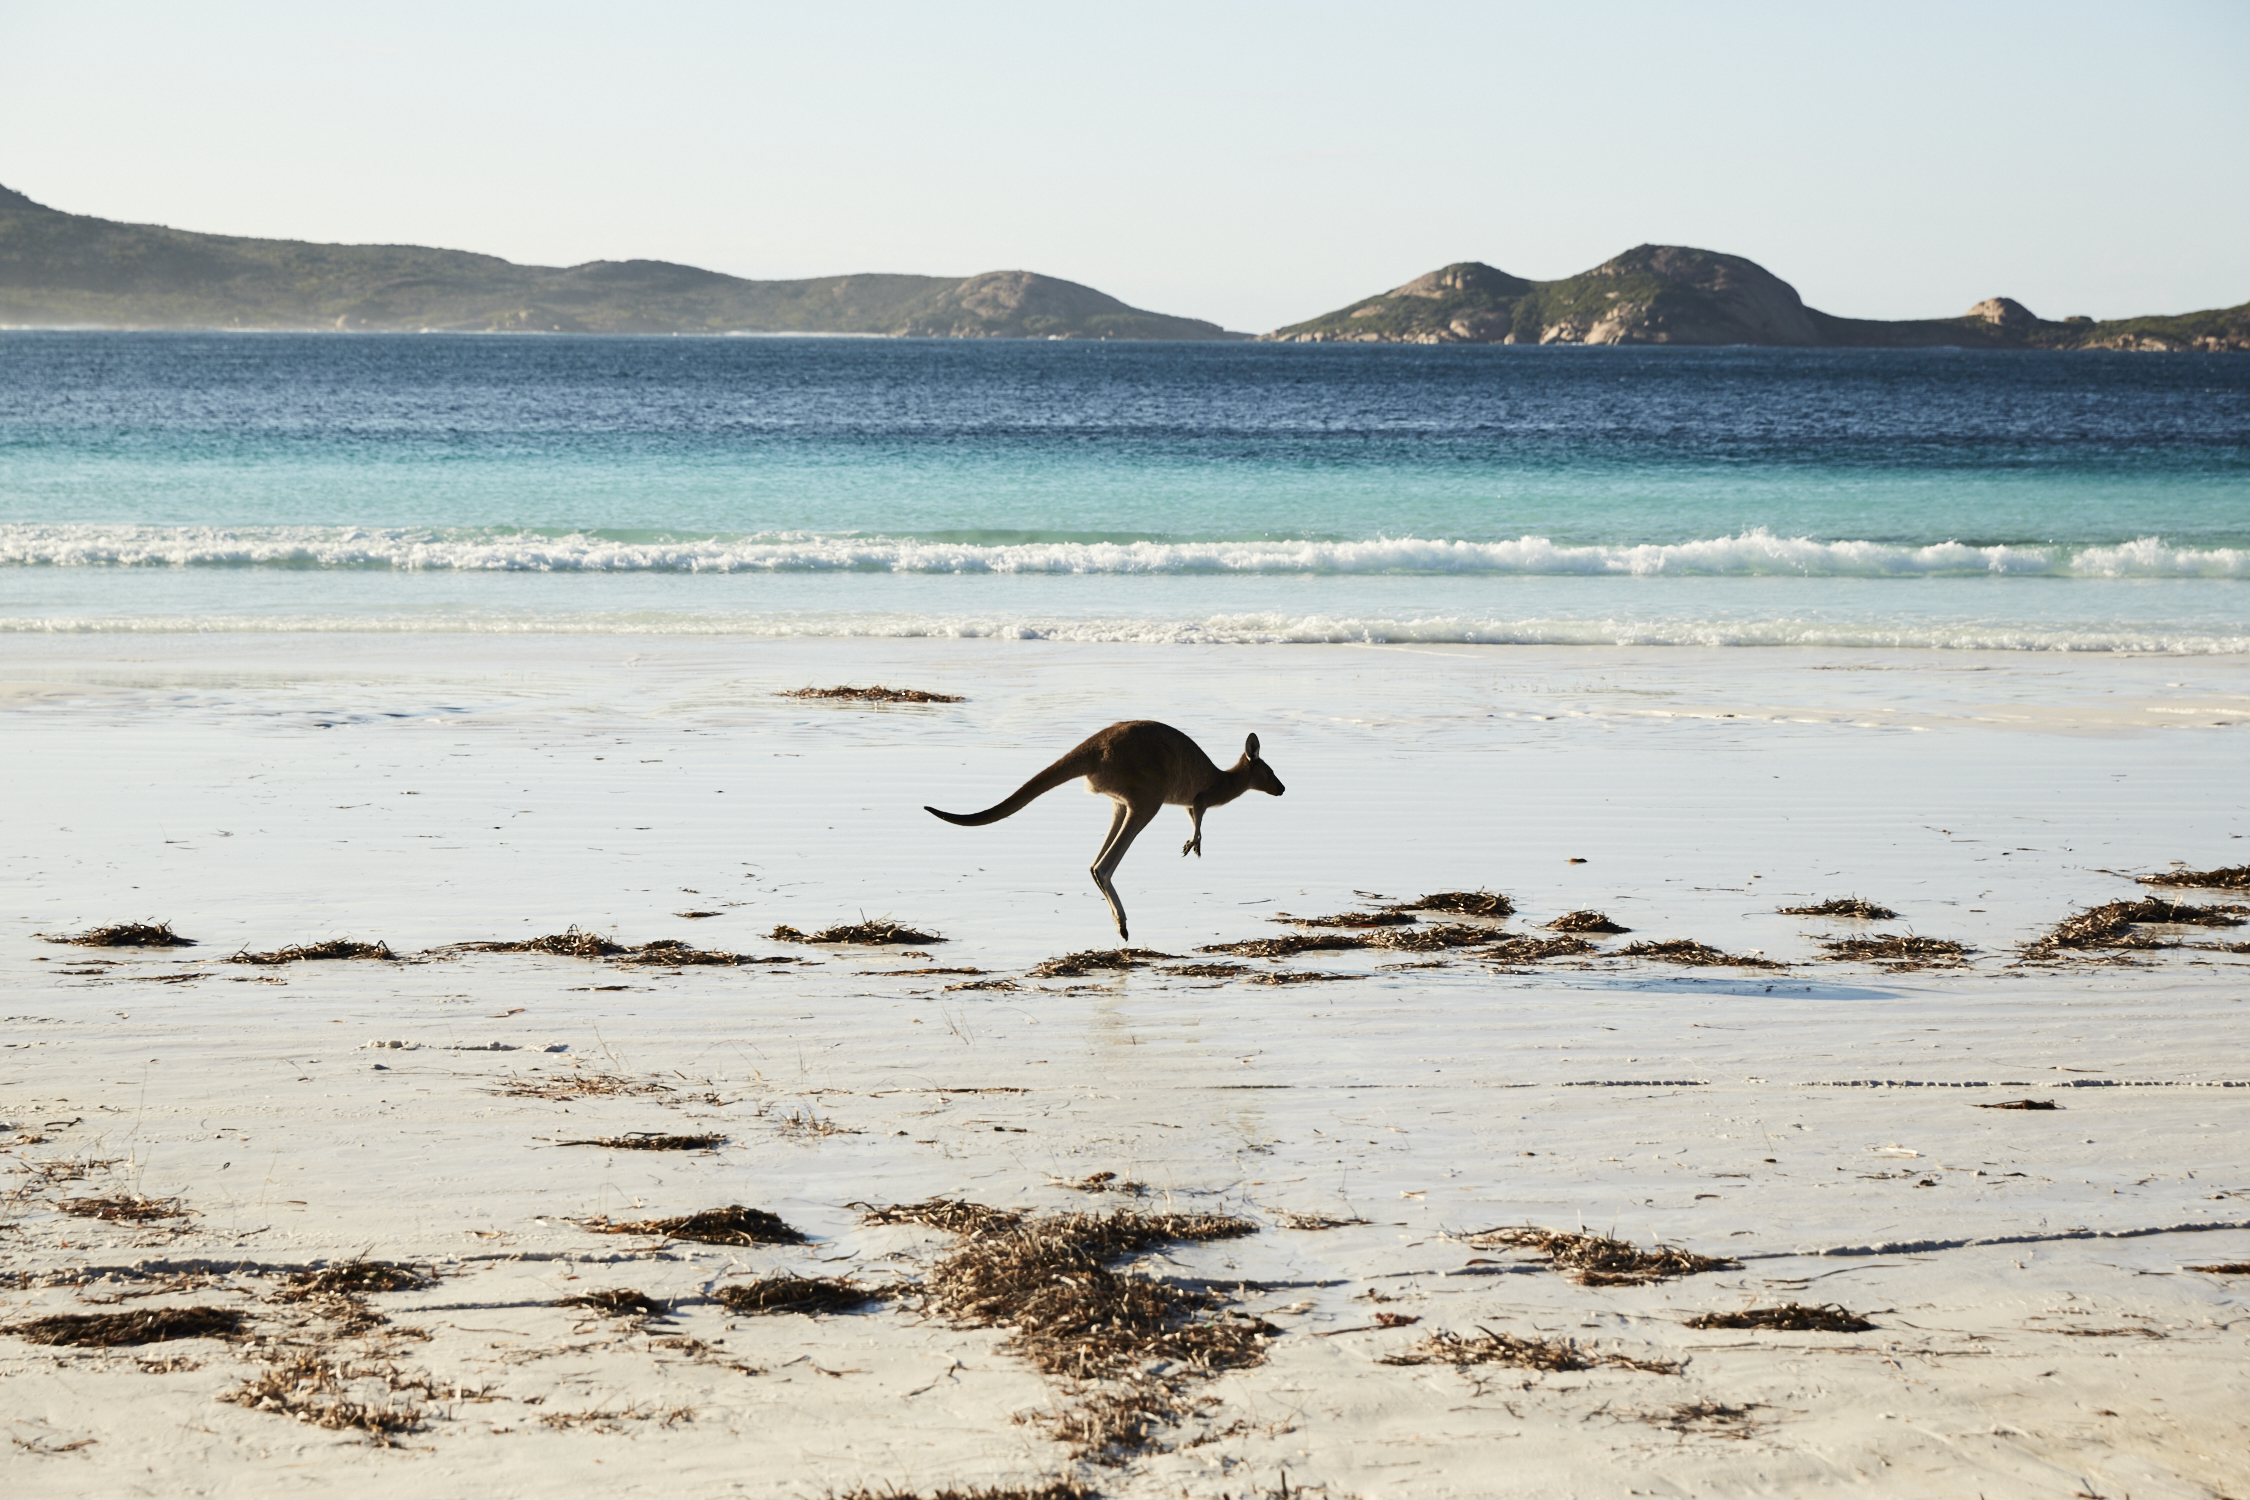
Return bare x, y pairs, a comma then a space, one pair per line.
1251, 164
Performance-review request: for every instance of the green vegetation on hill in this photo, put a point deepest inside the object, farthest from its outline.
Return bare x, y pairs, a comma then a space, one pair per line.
1669, 294
59, 269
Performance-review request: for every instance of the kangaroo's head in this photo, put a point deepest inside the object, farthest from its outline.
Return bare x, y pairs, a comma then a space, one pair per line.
1261, 775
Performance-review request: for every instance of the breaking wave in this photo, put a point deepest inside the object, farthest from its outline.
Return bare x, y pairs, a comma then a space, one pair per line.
1755, 553
1266, 629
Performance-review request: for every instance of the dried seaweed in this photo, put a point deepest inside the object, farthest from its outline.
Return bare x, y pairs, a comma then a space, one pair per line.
572, 942
305, 952
1315, 1221
1207, 971
1841, 906
124, 1208
579, 1083
354, 1278
1700, 955
797, 1294
675, 954
128, 935
1298, 976
1349, 919
1036, 1489
1896, 951
1294, 943
2023, 1104
112, 1330
953, 1215
1595, 1260
1585, 921
880, 931
1048, 1282
732, 1225
618, 1302
1103, 1182
984, 984
2111, 926
1715, 1417
1789, 1317
2225, 1268
1467, 903
1430, 939
318, 1391
2231, 878
876, 694
1532, 950
1489, 1348
642, 1140
1076, 965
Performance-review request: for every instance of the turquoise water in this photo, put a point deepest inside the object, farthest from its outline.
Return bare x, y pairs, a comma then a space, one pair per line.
1148, 492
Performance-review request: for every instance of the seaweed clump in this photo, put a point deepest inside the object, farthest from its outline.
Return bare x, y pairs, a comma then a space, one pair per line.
1596, 1260
1697, 955
2110, 925
2231, 878
1841, 906
1897, 952
1467, 903
128, 935
797, 1294
732, 1225
573, 942
875, 694
1489, 1348
297, 953
1289, 945
1129, 1343
1076, 965
953, 1215
1585, 921
1391, 918
124, 1208
1532, 950
354, 1278
1430, 939
618, 1302
113, 1330
1789, 1317
880, 931
1037, 1489
643, 1140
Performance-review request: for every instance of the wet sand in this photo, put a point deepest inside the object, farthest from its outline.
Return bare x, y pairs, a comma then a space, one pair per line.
2037, 1328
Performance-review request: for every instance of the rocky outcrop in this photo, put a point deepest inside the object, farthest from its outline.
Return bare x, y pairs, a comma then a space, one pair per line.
71, 269
1672, 294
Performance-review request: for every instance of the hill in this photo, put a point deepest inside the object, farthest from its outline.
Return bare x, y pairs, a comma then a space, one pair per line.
1669, 294
62, 269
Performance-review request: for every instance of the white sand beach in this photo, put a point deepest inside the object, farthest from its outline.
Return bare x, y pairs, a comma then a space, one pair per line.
2037, 1324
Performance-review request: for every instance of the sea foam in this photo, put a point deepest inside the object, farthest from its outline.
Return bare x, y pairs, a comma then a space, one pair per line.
1754, 553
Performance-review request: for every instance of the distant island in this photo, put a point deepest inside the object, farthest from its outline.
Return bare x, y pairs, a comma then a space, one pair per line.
1670, 294
70, 270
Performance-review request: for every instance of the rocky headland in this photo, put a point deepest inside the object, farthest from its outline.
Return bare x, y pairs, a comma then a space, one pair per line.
1671, 294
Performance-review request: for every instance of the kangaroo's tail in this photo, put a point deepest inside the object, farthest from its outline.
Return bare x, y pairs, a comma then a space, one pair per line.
1069, 768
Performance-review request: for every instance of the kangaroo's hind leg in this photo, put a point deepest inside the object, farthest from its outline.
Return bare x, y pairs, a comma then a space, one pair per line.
1123, 829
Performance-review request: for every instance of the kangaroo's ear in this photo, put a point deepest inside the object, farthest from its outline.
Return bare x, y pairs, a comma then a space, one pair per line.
1250, 747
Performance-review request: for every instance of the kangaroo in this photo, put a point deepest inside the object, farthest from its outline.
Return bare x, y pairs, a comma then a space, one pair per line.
1143, 767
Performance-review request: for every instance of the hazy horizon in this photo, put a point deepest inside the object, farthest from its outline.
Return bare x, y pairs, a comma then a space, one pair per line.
1250, 167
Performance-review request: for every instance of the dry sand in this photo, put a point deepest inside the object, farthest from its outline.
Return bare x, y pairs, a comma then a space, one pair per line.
2038, 1329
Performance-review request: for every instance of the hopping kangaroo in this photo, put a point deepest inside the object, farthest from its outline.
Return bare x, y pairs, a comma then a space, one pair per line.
1143, 767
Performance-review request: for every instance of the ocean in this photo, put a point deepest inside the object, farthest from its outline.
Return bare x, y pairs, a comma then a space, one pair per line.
1234, 493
